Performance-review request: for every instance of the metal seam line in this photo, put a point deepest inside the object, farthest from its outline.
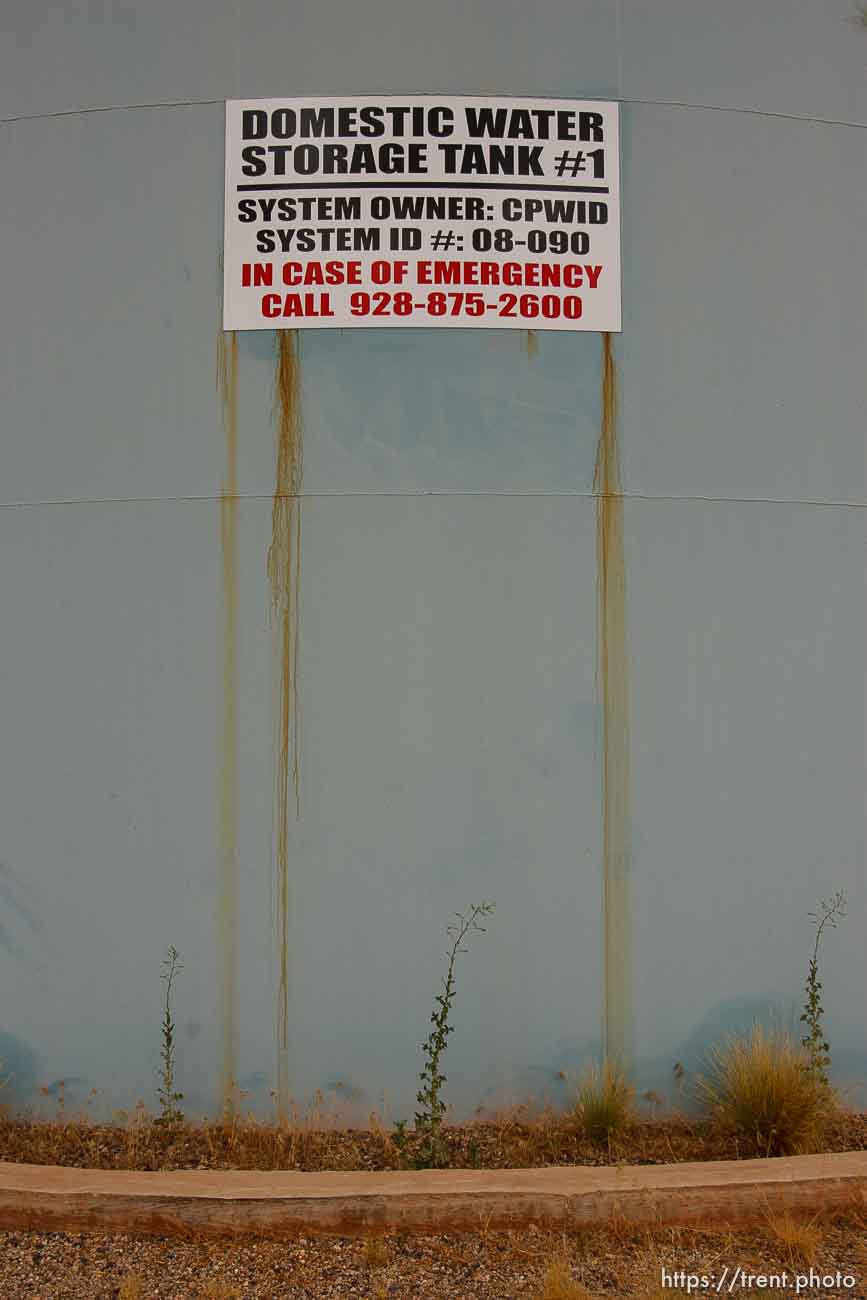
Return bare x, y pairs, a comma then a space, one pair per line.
399, 492
653, 103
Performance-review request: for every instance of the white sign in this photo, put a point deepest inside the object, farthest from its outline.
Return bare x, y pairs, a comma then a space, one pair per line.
430, 210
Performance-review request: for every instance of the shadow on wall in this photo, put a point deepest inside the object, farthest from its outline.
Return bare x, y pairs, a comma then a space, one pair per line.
736, 1017
673, 1076
16, 902
17, 1070
549, 1082
552, 1080
17, 1060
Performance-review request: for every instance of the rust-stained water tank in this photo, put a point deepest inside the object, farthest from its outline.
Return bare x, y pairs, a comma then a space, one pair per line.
453, 713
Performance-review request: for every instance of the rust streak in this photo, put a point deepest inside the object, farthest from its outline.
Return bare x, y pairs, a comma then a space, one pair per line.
614, 689
284, 572
227, 383
531, 341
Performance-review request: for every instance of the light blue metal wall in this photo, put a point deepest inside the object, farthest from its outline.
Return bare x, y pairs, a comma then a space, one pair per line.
451, 743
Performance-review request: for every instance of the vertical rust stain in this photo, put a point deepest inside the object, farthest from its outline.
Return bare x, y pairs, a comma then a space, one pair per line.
531, 342
284, 572
227, 384
614, 689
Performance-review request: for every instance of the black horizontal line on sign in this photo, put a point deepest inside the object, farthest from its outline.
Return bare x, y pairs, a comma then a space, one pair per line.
423, 185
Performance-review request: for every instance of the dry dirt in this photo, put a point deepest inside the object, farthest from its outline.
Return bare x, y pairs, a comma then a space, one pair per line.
508, 1143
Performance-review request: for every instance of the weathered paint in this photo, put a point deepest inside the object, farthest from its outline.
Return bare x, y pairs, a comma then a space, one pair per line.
613, 668
284, 571
227, 380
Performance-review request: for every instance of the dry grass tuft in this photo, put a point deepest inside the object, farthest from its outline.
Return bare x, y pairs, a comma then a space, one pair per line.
800, 1238
217, 1290
132, 1287
375, 1253
605, 1103
620, 1230
558, 1283
760, 1090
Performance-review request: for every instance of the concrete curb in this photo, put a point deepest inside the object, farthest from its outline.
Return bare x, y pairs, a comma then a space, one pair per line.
230, 1203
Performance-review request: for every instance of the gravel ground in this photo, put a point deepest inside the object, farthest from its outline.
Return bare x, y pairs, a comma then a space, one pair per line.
484, 1266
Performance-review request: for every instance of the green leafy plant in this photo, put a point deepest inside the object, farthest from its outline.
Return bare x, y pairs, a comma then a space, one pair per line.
431, 1152
759, 1090
170, 1115
818, 1050
605, 1099
400, 1139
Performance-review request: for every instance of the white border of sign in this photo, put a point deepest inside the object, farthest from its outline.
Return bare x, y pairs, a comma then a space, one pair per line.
422, 211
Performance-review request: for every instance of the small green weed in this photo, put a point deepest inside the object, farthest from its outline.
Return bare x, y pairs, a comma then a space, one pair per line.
431, 1152
818, 1049
170, 1115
